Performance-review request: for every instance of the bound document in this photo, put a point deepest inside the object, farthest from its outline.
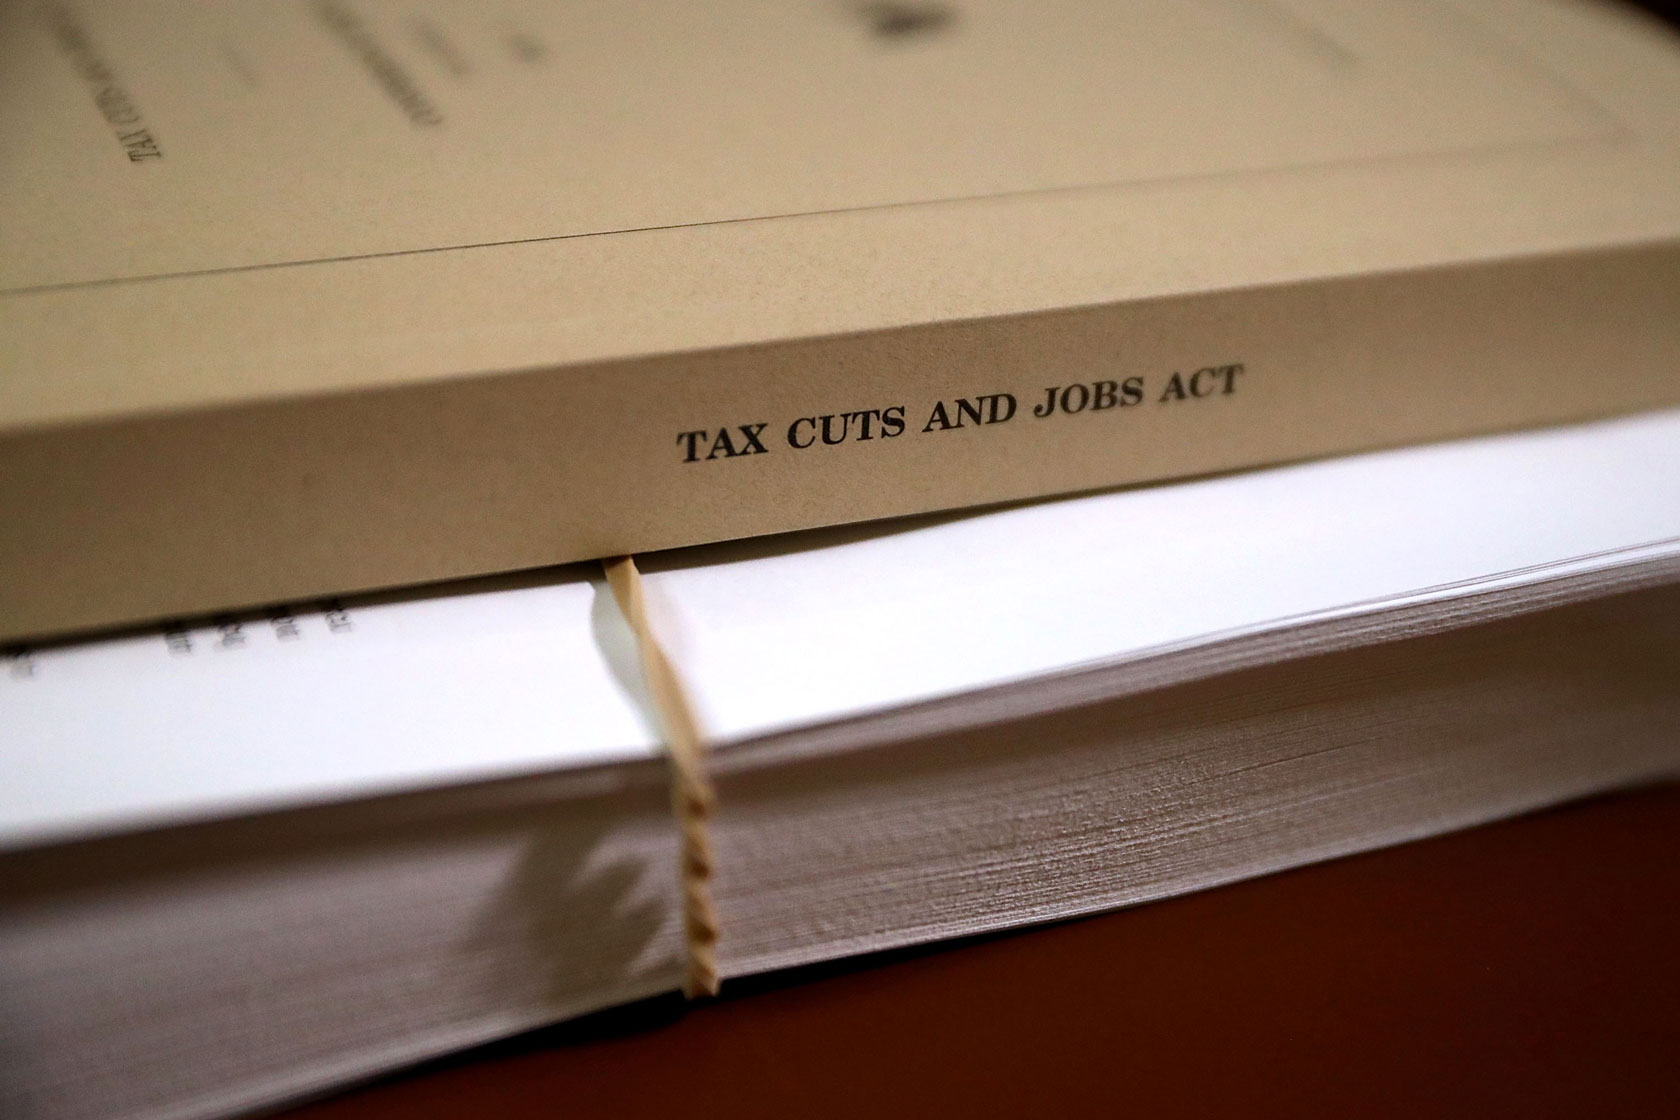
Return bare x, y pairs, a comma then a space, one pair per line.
252, 858
321, 297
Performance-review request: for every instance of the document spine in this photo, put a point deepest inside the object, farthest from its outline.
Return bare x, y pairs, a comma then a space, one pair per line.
214, 509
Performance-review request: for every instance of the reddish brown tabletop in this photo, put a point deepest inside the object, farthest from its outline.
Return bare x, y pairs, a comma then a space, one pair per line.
1530, 968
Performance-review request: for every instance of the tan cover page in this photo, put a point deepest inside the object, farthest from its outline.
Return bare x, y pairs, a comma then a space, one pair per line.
326, 295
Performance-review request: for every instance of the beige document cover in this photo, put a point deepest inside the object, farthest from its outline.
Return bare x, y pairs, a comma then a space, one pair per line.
317, 296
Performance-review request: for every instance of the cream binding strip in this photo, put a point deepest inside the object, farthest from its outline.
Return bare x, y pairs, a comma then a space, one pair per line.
692, 797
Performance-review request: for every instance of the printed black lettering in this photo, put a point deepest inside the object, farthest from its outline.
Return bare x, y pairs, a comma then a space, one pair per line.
749, 432
691, 441
338, 619
110, 97
722, 445
996, 403
231, 635
178, 639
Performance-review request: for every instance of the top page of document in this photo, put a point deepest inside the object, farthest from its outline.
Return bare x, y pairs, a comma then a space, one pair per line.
278, 198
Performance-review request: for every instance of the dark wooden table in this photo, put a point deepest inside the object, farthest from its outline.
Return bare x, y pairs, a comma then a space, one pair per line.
1530, 968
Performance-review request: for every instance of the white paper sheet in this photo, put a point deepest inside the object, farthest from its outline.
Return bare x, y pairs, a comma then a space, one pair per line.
770, 640
374, 698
